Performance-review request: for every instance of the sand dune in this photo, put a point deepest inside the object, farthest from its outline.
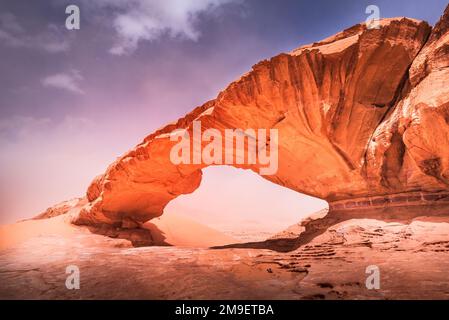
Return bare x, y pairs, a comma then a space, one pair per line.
171, 229
17, 233
178, 230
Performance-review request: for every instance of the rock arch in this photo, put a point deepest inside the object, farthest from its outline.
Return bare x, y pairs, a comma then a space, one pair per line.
353, 114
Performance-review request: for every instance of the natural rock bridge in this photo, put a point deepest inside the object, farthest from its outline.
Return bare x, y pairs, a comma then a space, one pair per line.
363, 122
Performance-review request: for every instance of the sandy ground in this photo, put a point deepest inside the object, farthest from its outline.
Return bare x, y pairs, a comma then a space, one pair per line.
170, 229
180, 231
413, 260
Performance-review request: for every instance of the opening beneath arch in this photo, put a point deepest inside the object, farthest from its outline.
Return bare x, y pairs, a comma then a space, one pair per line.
242, 205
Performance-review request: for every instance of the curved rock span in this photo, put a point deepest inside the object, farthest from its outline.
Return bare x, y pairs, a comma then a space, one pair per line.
363, 114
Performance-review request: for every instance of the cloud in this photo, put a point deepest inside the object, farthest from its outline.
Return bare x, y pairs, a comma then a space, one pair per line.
9, 22
12, 34
53, 40
66, 81
141, 20
17, 127
10, 30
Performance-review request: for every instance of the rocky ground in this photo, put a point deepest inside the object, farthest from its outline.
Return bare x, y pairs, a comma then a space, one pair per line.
413, 260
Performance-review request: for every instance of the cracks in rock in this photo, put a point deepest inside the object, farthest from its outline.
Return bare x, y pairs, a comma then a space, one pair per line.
343, 156
20, 271
280, 119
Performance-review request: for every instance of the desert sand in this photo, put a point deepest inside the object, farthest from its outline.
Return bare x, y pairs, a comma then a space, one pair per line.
413, 259
170, 230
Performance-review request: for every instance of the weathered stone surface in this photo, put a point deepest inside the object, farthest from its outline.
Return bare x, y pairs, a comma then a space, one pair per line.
61, 208
361, 114
409, 149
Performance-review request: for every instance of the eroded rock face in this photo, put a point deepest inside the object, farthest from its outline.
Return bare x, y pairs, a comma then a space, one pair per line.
361, 114
62, 208
409, 149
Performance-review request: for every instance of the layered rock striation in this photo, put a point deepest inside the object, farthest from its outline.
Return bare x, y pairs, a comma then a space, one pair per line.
361, 115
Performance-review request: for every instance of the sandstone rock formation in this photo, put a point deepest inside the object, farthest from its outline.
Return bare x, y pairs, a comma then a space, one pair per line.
61, 208
362, 119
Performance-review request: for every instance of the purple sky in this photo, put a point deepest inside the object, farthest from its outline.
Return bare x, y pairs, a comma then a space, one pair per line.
73, 100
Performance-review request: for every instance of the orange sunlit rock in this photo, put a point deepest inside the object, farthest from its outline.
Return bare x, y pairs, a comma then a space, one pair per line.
360, 114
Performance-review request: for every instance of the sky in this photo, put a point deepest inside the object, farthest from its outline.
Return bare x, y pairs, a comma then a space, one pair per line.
71, 101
